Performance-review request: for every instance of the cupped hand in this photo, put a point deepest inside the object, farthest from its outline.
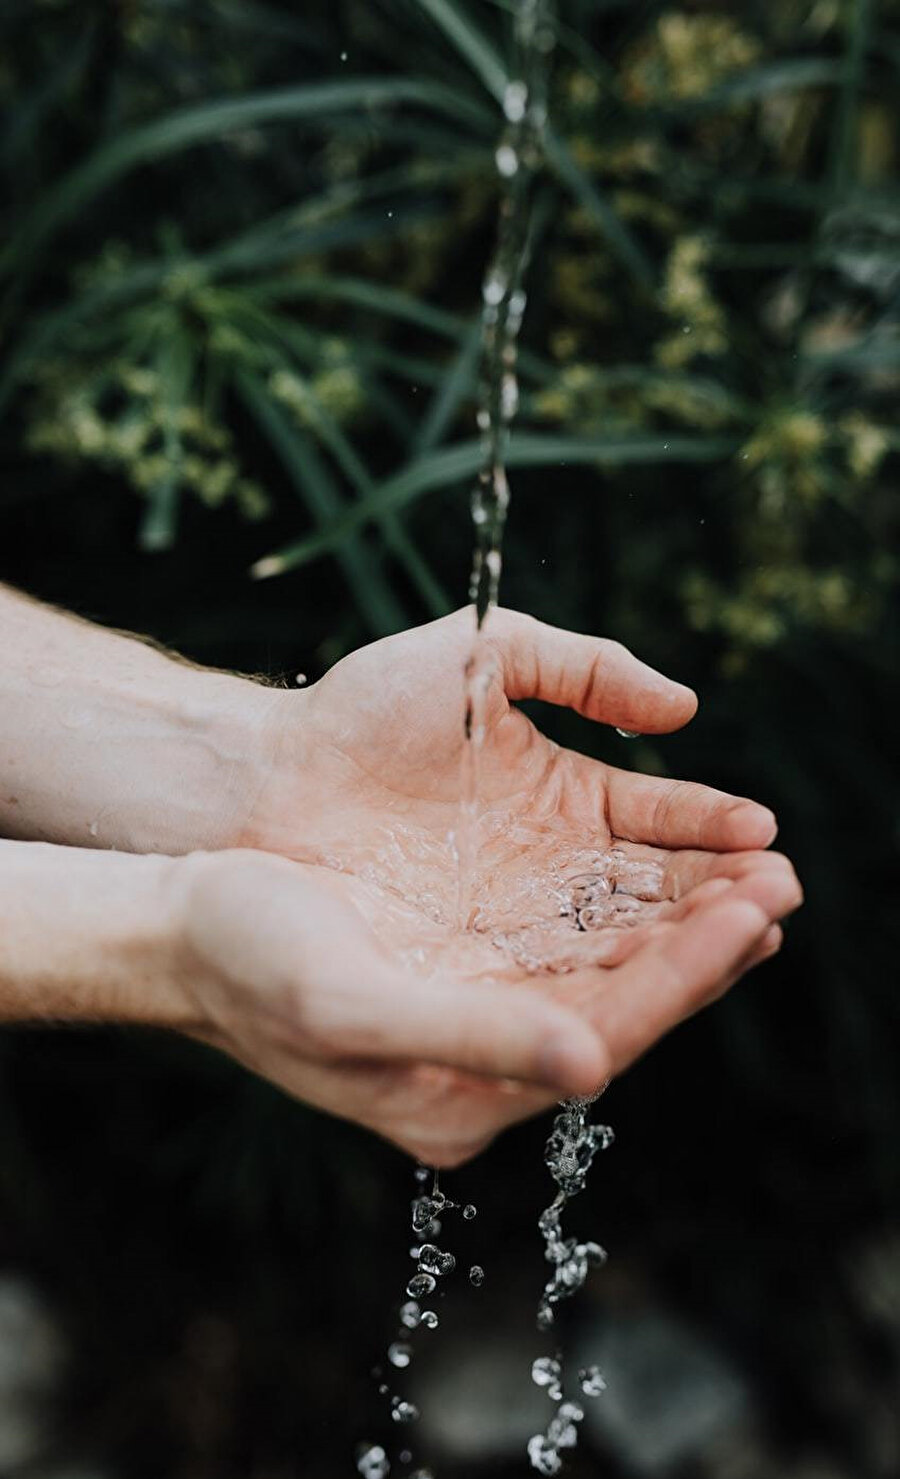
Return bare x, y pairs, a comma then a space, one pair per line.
284, 972
362, 786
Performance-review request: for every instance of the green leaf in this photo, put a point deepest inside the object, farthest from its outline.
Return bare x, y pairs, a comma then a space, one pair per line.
791, 74
485, 62
464, 460
470, 43
845, 135
452, 389
210, 122
621, 240
395, 536
314, 484
176, 367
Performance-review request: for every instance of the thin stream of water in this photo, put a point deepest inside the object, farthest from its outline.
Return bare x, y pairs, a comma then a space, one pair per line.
573, 1142
518, 158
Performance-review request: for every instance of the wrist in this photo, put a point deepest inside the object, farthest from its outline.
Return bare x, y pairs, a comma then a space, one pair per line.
90, 937
226, 736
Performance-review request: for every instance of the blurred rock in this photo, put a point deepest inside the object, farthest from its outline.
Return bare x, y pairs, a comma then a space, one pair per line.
479, 1403
30, 1361
669, 1392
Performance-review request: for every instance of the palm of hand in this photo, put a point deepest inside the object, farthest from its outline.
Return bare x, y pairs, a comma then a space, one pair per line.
383, 744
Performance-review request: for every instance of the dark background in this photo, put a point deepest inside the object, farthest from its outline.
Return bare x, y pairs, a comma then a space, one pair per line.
202, 1272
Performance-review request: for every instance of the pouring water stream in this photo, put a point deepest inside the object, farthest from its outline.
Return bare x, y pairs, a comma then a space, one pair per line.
573, 1142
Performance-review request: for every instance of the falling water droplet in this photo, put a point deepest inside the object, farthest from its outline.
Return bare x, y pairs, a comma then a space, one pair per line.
476, 1275
592, 1381
405, 1412
543, 1455
507, 160
421, 1284
546, 1371
515, 101
400, 1353
410, 1314
469, 1212
429, 1319
372, 1462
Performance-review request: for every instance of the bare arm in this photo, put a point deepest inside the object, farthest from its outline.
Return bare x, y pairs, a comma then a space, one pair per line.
108, 742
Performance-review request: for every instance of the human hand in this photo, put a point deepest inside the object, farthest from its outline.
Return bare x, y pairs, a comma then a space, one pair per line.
281, 969
363, 778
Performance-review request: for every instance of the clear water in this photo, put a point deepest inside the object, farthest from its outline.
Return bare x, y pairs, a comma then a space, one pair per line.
536, 897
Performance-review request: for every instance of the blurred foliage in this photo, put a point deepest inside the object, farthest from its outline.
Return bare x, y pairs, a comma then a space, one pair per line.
240, 301
204, 228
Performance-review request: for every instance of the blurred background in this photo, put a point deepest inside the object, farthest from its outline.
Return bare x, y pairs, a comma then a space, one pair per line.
240, 295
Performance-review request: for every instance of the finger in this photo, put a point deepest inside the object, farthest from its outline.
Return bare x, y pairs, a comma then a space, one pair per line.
494, 1031
599, 678
676, 975
616, 944
767, 879
667, 813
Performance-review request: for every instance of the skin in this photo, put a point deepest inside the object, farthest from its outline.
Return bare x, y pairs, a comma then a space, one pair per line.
305, 916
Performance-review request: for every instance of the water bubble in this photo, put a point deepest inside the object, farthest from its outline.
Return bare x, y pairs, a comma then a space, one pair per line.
421, 1284
343, 56
424, 1210
383, 1389
400, 1353
476, 1275
405, 1412
430, 1319
372, 1462
433, 1261
410, 1314
469, 1212
509, 396
494, 290
422, 1173
545, 1371
507, 161
543, 1456
515, 101
587, 889
628, 733
592, 1381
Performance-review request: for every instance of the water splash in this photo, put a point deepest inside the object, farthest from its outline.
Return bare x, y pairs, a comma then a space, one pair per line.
518, 158
573, 1144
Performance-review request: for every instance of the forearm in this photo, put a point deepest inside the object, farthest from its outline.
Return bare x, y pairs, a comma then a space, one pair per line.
89, 937
107, 742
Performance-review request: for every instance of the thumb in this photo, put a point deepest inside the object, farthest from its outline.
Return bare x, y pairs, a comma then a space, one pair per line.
500, 1031
688, 965
599, 678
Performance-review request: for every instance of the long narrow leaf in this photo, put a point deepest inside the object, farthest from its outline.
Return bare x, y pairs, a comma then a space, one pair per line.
214, 120
315, 486
451, 392
454, 464
471, 44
